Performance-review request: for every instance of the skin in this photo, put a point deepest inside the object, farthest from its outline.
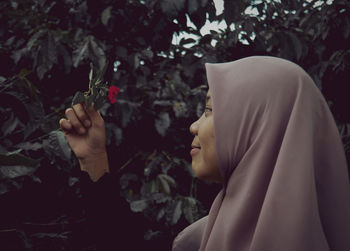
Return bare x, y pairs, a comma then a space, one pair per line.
85, 132
204, 160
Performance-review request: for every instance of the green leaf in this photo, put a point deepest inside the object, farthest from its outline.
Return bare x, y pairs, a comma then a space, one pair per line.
78, 98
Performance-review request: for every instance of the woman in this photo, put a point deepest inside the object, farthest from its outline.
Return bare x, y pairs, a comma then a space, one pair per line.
268, 136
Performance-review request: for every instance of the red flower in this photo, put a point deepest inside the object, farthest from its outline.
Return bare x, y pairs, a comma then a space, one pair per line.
112, 92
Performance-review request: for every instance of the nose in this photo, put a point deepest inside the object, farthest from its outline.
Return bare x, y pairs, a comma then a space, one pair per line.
194, 127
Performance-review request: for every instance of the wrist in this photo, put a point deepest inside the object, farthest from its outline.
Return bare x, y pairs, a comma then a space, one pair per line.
95, 165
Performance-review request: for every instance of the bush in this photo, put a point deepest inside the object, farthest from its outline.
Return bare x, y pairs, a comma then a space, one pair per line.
46, 48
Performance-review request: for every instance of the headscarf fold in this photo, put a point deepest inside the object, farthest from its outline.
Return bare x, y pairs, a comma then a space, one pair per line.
285, 178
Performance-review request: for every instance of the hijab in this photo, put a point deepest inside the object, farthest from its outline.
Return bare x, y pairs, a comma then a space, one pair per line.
282, 162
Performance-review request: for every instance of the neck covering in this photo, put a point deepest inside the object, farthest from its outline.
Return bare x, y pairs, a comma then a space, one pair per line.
284, 172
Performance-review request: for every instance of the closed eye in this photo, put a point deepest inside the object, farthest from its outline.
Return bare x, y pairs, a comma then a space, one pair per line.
207, 111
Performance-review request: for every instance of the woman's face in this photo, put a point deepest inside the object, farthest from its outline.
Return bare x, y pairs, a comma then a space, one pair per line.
204, 163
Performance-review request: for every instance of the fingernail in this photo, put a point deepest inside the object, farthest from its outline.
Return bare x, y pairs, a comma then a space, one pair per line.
87, 123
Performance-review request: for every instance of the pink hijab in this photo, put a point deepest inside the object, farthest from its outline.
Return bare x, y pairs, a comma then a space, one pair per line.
286, 184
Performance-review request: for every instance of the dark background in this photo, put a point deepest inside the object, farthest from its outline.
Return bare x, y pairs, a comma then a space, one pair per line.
45, 51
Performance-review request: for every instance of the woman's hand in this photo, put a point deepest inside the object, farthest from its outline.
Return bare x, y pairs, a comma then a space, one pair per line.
85, 132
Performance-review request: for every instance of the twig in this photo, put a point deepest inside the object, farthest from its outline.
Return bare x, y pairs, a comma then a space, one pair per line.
129, 161
8, 230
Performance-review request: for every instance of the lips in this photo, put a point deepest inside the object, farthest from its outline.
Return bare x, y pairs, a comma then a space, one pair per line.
195, 149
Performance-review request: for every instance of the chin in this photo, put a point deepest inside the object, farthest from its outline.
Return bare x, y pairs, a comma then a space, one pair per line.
198, 173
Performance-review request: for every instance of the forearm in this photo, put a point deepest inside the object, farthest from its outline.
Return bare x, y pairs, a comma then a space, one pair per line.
96, 166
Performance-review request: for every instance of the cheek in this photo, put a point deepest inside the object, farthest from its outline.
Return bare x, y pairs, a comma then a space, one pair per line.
206, 137
207, 141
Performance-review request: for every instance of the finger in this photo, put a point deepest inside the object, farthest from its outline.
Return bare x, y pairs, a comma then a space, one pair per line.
95, 116
65, 125
73, 119
82, 115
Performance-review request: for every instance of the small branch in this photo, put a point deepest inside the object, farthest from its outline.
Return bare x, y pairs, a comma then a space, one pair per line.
129, 161
8, 230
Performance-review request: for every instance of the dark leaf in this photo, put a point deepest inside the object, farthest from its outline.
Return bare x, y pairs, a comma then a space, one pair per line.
33, 39
177, 212
78, 98
10, 125
172, 7
122, 52
206, 39
162, 123
81, 52
99, 75
188, 206
17, 159
106, 15
99, 102
126, 179
192, 6
126, 110
57, 146
118, 135
47, 55
233, 10
63, 144
168, 179
29, 146
160, 214
187, 41
89, 100
164, 186
96, 53
297, 45
11, 172
138, 205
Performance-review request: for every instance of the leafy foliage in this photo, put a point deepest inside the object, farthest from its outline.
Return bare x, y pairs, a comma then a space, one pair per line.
46, 48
